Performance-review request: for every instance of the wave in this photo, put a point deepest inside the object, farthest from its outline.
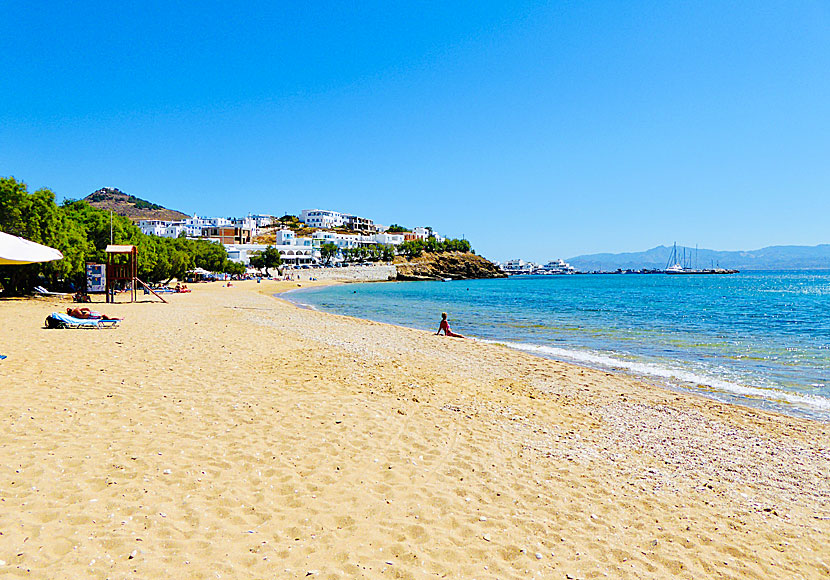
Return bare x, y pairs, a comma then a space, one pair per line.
687, 378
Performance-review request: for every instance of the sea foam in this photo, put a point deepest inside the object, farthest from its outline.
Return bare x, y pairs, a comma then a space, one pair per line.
675, 377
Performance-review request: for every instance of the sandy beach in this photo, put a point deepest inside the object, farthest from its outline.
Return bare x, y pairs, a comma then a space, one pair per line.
230, 434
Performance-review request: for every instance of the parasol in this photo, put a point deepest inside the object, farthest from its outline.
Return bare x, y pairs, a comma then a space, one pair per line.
14, 250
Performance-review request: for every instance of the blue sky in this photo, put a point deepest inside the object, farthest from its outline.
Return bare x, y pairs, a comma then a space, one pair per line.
533, 129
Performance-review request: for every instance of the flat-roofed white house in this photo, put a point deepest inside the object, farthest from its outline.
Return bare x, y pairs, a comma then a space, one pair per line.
322, 218
343, 241
423, 233
152, 227
389, 239
340, 240
284, 237
263, 219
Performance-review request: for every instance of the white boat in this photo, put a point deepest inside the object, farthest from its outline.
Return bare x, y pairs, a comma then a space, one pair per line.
559, 266
518, 266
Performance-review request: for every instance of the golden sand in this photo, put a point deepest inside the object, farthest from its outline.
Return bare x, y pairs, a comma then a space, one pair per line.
229, 434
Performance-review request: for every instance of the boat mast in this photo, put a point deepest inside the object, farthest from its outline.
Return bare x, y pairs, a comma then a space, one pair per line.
672, 257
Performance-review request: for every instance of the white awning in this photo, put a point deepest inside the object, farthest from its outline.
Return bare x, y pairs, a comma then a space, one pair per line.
14, 250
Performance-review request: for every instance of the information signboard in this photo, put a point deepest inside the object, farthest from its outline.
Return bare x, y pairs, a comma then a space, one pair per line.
96, 277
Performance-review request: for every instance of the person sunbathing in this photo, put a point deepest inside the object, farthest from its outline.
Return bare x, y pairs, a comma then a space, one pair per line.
445, 326
85, 313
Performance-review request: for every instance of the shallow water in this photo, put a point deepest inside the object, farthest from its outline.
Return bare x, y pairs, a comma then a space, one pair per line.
757, 338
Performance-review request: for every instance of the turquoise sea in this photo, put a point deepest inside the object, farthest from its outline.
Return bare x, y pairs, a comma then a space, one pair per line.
755, 338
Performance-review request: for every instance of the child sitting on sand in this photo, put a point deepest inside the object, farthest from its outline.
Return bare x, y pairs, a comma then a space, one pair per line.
81, 296
445, 326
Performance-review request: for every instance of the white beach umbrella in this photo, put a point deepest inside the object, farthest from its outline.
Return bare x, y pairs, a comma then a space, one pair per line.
14, 250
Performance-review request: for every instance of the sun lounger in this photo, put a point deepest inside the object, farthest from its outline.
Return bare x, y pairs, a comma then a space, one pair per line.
44, 292
59, 320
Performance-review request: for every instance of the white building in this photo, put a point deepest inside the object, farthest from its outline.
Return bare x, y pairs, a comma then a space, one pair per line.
322, 218
342, 241
283, 237
299, 253
423, 233
389, 239
263, 220
152, 227
246, 223
193, 226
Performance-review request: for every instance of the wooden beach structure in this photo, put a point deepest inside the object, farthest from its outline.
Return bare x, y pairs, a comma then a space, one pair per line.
121, 272
124, 272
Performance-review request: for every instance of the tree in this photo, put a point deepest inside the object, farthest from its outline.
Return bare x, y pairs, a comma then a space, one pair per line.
14, 201
234, 268
328, 251
395, 228
411, 249
256, 260
267, 258
35, 217
387, 253
456, 245
348, 254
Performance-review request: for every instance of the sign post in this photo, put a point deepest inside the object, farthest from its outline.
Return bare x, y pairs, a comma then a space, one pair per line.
96, 278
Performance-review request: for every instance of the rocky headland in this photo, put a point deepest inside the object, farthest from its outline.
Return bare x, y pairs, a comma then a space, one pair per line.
454, 265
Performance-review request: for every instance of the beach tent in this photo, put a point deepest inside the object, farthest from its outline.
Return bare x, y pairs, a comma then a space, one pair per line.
14, 250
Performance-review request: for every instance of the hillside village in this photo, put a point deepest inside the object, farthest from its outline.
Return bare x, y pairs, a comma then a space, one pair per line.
313, 237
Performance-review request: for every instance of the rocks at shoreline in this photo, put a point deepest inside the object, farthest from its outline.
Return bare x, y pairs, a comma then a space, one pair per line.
455, 265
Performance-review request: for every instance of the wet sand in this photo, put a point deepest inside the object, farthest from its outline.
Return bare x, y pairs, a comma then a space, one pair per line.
230, 434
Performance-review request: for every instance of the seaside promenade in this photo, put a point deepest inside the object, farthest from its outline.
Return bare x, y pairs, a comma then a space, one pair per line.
230, 434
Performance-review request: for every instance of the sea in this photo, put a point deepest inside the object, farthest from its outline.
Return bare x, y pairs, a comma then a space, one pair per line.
755, 338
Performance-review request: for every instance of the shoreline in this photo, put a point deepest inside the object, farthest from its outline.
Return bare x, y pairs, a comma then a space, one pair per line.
776, 401
231, 432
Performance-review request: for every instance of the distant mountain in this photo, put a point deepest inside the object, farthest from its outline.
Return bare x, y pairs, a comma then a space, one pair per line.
769, 258
110, 198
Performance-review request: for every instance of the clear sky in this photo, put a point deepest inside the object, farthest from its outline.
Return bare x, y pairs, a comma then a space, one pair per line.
534, 129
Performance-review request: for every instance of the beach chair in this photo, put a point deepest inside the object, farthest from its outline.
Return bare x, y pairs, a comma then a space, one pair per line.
44, 292
58, 320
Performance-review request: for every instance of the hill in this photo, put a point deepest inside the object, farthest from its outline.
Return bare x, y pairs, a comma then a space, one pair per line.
769, 258
112, 199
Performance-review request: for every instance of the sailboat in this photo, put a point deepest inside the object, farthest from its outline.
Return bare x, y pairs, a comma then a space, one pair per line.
674, 266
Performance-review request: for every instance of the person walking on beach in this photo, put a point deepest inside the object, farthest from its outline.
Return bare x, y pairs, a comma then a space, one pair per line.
445, 326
